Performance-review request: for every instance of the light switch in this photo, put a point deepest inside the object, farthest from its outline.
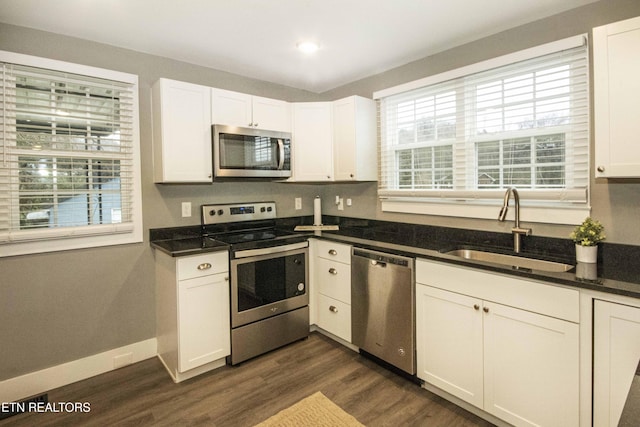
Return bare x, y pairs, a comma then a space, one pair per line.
186, 209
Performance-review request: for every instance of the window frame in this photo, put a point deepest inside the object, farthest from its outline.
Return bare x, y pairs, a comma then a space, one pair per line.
40, 240
565, 206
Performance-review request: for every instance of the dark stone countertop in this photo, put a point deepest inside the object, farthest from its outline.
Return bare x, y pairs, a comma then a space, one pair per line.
184, 241
617, 270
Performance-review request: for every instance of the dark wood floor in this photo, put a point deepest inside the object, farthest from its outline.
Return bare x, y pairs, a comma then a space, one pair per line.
143, 394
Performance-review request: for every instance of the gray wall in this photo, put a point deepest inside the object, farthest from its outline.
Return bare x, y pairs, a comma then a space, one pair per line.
63, 306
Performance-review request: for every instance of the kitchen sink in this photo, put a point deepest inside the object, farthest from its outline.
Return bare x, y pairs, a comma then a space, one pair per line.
515, 262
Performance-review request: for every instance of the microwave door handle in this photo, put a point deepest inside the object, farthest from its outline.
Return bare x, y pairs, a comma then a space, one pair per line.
280, 154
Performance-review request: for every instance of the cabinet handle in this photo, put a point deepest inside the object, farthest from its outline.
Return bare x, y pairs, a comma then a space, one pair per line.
250, 125
476, 307
600, 168
333, 309
204, 266
333, 252
485, 309
255, 124
333, 271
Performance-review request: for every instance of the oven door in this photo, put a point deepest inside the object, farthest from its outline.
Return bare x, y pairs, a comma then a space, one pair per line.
265, 285
246, 152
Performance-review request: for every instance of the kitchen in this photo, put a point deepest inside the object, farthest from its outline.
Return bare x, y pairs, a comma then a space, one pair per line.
65, 306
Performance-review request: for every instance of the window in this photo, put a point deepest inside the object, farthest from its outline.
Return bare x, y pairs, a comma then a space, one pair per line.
464, 137
69, 174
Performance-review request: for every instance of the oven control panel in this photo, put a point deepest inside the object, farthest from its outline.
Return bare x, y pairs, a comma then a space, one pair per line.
236, 212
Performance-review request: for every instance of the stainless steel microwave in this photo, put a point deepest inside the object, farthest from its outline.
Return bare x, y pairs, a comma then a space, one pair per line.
250, 153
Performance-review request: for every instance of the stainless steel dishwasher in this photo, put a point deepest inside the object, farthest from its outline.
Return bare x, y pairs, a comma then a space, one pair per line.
383, 307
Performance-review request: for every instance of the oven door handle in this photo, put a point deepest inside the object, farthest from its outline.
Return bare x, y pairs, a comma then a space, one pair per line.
271, 250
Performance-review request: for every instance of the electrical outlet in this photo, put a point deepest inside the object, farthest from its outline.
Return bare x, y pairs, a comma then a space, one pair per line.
340, 204
349, 202
298, 203
186, 209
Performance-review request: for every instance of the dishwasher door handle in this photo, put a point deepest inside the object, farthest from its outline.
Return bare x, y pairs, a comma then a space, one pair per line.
378, 263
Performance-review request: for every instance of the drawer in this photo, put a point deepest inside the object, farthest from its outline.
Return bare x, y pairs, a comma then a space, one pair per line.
334, 279
335, 251
334, 317
203, 265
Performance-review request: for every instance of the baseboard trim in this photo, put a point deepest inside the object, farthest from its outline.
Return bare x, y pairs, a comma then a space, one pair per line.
37, 382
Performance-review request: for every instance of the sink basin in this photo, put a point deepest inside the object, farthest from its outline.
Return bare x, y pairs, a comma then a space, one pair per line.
515, 262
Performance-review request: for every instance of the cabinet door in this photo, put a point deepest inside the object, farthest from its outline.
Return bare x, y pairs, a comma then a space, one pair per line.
231, 108
531, 367
616, 341
312, 141
203, 321
271, 114
181, 132
616, 66
449, 342
354, 133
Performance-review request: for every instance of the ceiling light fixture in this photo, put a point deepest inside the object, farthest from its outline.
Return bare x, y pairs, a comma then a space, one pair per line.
307, 47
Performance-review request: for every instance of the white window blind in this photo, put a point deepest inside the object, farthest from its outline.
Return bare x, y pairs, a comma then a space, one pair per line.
523, 124
67, 163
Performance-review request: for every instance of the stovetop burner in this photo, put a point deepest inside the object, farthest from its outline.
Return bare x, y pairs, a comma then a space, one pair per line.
252, 236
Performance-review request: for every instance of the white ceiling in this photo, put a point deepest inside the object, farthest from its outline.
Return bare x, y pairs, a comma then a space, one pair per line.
257, 38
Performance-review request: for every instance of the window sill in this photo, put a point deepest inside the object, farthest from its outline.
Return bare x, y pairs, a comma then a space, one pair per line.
54, 245
548, 214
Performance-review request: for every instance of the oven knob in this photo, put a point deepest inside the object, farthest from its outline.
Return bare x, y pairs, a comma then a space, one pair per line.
220, 211
262, 209
269, 209
301, 287
212, 212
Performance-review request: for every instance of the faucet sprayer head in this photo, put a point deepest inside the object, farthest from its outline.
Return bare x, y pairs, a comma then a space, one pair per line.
503, 213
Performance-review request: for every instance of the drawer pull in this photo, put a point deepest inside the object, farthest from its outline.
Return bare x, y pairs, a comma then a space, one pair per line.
333, 252
204, 266
476, 307
333, 271
333, 309
485, 309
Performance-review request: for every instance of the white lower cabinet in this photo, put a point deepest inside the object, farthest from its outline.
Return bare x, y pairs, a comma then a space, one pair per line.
192, 313
332, 287
531, 371
203, 331
616, 341
512, 362
449, 342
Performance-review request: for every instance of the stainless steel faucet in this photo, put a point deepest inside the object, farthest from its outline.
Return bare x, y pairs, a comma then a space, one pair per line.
516, 230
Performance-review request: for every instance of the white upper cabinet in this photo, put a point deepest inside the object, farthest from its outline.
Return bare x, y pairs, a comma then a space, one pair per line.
239, 109
181, 132
354, 139
616, 65
335, 141
312, 144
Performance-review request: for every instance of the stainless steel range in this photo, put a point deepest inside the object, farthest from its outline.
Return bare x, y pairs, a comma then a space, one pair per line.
269, 277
